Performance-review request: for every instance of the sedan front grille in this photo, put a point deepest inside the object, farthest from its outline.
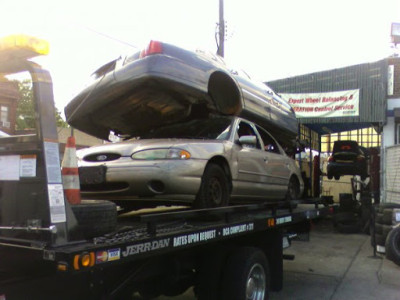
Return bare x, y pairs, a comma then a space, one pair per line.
99, 157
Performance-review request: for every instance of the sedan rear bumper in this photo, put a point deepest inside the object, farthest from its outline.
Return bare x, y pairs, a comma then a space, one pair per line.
335, 168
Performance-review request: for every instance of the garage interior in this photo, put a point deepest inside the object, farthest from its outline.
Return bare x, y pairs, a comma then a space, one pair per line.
318, 134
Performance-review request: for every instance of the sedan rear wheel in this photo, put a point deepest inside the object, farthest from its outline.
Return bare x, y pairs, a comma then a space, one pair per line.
214, 189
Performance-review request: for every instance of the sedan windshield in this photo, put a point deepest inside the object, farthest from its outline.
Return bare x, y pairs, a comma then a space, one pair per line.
214, 128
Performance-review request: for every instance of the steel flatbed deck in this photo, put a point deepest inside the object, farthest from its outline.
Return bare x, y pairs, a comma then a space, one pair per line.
162, 232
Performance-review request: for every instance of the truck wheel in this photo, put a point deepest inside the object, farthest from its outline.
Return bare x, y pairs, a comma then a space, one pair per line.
94, 217
214, 189
246, 275
392, 245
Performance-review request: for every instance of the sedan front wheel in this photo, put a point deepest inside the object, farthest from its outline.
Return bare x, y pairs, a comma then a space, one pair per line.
214, 189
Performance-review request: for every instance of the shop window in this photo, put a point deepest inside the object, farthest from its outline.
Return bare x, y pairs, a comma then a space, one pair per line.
4, 114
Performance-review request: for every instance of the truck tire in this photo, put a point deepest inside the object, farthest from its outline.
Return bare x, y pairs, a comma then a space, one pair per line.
246, 275
95, 218
214, 188
392, 245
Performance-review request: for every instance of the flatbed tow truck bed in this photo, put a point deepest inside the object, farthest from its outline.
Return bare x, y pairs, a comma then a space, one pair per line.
143, 246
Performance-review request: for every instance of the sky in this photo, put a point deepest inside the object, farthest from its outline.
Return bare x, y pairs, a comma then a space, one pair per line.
268, 39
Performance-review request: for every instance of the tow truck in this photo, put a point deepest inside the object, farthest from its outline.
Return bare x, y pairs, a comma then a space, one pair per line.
233, 252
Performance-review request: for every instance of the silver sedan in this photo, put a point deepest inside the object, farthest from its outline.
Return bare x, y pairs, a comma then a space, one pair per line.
203, 162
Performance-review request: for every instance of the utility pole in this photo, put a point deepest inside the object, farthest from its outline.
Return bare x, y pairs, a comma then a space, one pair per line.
221, 31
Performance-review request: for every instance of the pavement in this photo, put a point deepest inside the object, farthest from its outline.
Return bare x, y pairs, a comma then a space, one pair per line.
333, 266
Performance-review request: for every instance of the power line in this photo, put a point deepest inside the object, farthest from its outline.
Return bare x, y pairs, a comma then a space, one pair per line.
108, 36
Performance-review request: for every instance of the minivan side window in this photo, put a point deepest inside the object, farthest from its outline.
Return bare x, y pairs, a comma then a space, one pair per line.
270, 144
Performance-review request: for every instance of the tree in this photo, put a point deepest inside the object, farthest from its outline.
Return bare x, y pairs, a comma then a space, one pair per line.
26, 110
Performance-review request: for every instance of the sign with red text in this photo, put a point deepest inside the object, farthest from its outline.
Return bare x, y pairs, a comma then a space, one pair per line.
325, 105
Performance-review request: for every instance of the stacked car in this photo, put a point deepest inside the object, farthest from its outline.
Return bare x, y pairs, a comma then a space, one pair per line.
193, 132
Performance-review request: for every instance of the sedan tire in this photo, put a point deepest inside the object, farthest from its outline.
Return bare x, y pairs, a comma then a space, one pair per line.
214, 189
293, 192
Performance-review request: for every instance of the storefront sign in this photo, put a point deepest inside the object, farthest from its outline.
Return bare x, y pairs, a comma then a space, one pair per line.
325, 105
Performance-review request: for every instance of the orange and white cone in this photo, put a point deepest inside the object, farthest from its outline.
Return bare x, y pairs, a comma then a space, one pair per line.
69, 172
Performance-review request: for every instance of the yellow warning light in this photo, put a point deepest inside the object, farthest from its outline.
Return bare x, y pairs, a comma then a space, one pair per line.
22, 47
271, 222
84, 260
62, 267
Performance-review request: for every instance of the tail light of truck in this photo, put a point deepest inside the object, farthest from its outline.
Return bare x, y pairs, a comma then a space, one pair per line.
154, 47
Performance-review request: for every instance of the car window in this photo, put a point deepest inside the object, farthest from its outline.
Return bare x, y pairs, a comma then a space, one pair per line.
245, 128
270, 144
214, 128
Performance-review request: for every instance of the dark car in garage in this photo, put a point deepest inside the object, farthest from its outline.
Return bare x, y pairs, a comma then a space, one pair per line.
348, 158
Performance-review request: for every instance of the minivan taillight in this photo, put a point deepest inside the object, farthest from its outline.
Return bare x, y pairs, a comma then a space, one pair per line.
154, 47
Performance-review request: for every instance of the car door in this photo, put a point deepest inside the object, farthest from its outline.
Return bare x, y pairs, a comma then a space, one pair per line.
251, 160
277, 164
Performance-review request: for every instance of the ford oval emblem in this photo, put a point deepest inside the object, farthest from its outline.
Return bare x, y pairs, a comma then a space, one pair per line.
102, 157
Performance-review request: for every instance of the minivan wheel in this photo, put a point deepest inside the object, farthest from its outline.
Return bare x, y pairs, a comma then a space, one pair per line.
214, 188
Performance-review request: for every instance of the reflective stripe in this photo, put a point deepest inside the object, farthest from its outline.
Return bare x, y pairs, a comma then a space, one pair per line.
70, 160
71, 182
73, 196
69, 171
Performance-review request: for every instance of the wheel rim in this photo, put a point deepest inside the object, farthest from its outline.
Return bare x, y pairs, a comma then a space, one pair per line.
255, 285
215, 191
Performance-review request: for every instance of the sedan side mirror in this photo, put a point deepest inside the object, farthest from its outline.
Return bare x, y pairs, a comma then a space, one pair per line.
249, 140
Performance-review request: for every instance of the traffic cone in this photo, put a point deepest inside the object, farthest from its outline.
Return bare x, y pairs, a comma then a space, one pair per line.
70, 174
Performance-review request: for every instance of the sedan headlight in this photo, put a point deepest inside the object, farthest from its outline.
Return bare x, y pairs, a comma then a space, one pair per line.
154, 154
